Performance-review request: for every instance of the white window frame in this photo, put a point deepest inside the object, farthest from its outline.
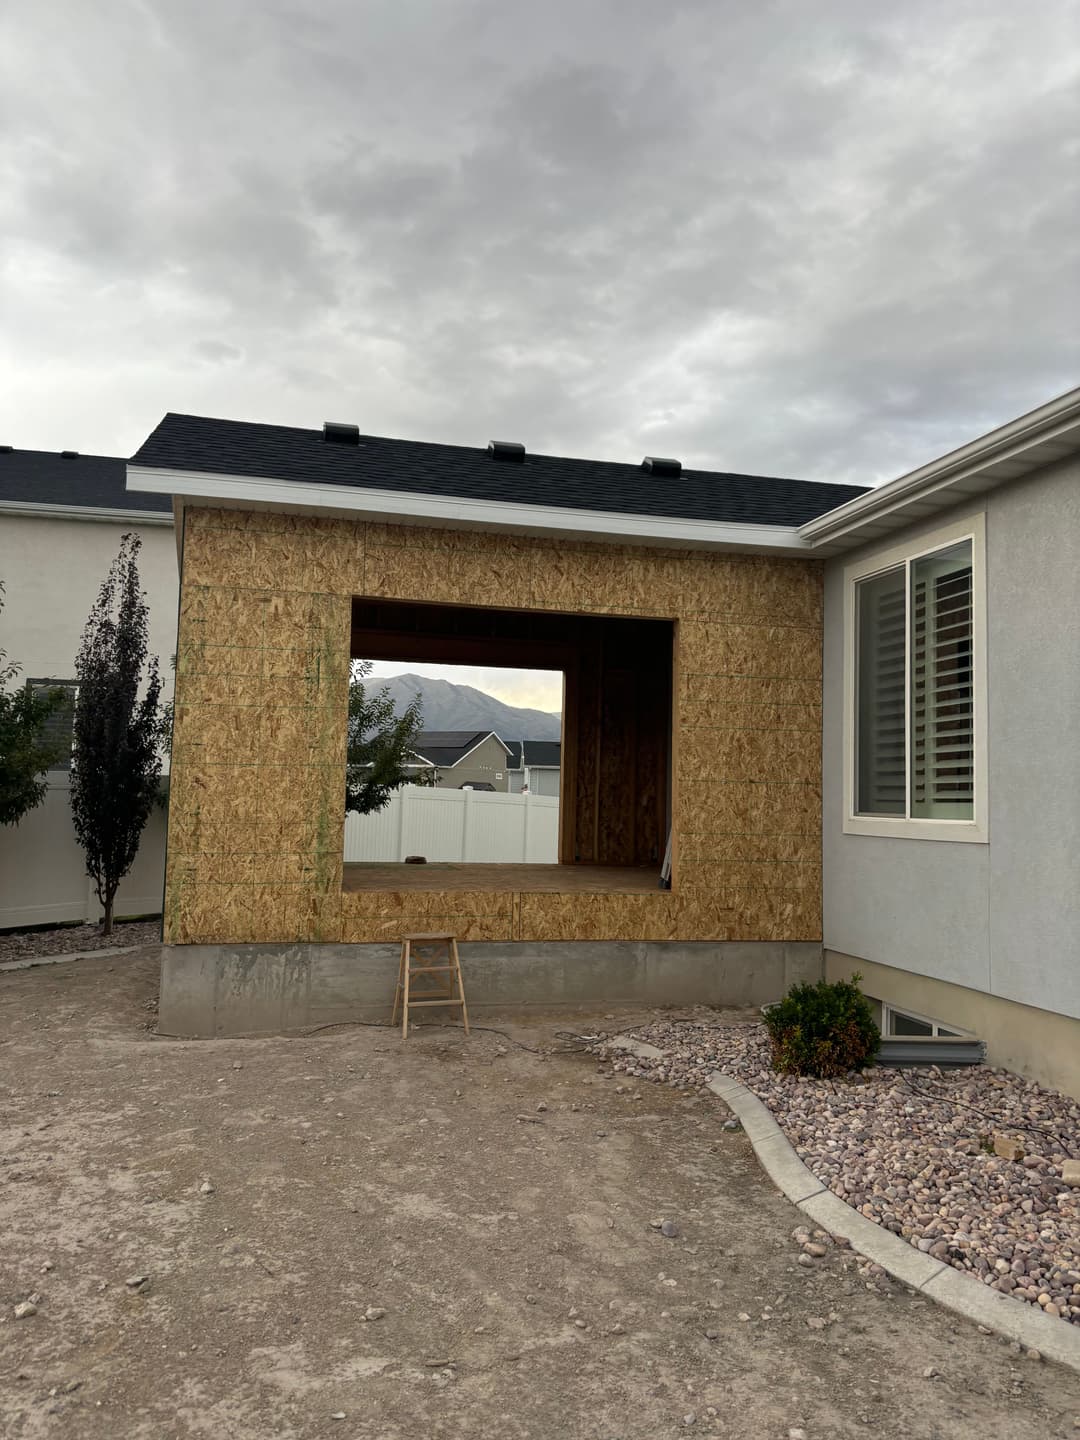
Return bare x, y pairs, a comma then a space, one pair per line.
888, 1011
976, 830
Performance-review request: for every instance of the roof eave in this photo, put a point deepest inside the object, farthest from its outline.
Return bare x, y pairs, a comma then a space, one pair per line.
260, 492
1028, 443
100, 514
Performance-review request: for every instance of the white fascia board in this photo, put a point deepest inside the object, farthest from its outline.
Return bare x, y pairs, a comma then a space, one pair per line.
33, 509
1055, 426
255, 492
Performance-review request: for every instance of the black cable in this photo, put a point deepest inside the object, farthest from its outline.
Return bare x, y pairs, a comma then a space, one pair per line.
990, 1119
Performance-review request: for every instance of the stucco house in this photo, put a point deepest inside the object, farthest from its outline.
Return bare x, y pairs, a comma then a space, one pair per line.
854, 713
534, 766
62, 517
951, 743
477, 758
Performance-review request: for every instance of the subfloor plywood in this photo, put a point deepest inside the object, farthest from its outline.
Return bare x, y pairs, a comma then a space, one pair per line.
530, 879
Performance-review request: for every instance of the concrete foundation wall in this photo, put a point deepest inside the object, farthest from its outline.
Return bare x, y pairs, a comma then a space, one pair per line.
218, 990
1036, 1043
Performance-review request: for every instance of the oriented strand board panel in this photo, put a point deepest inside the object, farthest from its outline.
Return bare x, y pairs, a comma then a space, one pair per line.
257, 792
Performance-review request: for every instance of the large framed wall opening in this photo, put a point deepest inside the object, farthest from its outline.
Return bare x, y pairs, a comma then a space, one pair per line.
616, 795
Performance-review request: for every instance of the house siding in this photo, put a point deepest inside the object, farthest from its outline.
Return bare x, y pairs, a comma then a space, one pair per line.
53, 569
481, 766
1001, 918
256, 814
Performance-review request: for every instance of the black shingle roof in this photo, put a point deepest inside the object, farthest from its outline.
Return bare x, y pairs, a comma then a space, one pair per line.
537, 752
280, 452
543, 752
447, 747
42, 477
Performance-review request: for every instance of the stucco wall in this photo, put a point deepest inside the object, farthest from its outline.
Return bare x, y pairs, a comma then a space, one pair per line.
52, 570
1003, 918
257, 803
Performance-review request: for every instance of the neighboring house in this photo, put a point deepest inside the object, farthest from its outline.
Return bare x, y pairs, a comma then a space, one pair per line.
477, 758
856, 714
534, 766
61, 520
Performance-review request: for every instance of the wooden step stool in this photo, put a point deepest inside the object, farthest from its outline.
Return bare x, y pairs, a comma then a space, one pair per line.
427, 955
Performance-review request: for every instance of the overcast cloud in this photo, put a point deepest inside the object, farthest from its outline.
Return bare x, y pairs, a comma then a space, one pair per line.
823, 239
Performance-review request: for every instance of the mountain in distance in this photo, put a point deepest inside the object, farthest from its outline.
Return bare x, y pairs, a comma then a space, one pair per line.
460, 707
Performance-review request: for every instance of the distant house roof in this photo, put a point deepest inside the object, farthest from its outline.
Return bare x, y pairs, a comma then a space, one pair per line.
411, 467
45, 479
446, 748
538, 753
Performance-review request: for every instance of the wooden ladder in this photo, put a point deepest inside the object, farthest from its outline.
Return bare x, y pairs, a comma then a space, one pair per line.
428, 955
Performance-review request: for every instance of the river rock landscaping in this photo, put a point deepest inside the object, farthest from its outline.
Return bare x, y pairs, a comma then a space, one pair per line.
921, 1152
76, 939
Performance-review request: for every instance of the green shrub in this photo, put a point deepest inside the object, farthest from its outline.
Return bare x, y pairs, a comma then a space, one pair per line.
822, 1030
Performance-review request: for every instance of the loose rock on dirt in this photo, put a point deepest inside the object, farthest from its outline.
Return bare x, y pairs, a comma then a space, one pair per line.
931, 1155
252, 1324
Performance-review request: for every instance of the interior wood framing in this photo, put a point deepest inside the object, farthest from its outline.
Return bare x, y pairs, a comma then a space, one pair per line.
616, 707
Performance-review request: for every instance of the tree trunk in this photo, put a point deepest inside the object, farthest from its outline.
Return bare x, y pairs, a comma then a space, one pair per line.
106, 924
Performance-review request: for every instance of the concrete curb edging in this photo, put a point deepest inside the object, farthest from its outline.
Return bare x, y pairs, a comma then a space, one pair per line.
1015, 1319
32, 960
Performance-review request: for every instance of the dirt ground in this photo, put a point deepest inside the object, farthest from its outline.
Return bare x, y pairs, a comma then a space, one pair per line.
525, 1291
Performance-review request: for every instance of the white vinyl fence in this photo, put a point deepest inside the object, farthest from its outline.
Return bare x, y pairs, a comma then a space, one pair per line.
475, 826
43, 872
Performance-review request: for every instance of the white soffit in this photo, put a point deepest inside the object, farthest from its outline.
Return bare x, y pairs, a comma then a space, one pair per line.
249, 492
1029, 443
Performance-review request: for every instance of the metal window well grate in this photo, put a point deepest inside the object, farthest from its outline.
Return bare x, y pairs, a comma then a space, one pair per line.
905, 1052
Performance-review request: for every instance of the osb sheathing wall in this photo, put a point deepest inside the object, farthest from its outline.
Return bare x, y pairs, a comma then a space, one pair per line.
256, 809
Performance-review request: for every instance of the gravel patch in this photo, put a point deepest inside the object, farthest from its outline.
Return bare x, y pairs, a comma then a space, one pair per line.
913, 1150
74, 939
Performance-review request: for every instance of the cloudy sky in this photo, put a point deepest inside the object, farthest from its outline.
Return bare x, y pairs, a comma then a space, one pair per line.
535, 689
827, 239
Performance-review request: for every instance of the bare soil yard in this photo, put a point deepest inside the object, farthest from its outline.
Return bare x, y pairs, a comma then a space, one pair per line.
494, 1203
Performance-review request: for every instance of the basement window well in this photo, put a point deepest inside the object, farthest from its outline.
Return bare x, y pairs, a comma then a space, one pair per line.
574, 800
904, 1023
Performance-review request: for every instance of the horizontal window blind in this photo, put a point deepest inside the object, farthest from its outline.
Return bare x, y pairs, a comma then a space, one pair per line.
915, 689
942, 689
58, 727
880, 699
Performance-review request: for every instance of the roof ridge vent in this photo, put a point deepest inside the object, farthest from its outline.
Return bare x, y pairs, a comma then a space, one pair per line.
657, 465
334, 433
507, 450
69, 454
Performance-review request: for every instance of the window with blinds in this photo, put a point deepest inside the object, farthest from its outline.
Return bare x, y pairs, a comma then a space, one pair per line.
914, 689
880, 695
942, 694
57, 729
